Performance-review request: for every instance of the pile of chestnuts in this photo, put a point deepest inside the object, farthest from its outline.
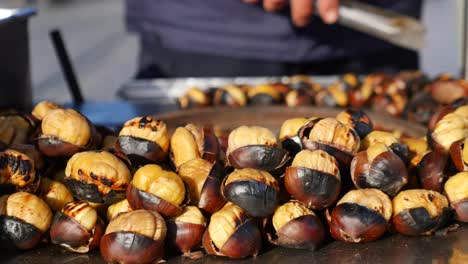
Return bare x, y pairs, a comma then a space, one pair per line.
143, 194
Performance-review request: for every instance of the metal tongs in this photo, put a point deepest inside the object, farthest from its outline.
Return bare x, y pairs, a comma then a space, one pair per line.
395, 28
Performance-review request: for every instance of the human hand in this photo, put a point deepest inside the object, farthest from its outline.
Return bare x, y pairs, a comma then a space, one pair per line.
302, 10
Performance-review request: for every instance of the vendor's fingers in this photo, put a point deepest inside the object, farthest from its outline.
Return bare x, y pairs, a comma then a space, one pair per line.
251, 1
301, 12
274, 5
328, 10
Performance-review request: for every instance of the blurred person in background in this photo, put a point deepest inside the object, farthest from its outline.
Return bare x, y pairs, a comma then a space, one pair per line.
201, 38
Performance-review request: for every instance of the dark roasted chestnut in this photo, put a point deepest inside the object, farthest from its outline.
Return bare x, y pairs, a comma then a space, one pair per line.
203, 181
97, 177
54, 193
265, 94
15, 129
431, 170
134, 237
24, 218
389, 139
230, 95
17, 172
456, 189
447, 91
255, 147
360, 216
296, 226
420, 212
156, 189
288, 134
144, 140
77, 227
358, 120
118, 208
255, 191
314, 179
459, 154
194, 97
451, 128
43, 108
232, 233
185, 231
378, 167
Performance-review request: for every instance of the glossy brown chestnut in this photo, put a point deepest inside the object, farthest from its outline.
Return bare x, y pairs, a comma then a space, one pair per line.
229, 95
97, 177
77, 227
232, 234
185, 231
420, 212
24, 218
378, 167
296, 226
203, 181
17, 172
431, 170
54, 193
288, 134
358, 120
118, 208
255, 147
134, 237
194, 97
314, 179
144, 140
156, 189
459, 154
360, 216
456, 189
266, 94
255, 191
16, 129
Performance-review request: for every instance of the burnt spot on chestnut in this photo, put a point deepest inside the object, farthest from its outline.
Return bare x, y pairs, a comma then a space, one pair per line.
17, 172
194, 97
358, 120
254, 191
420, 212
229, 95
459, 154
456, 189
185, 231
314, 179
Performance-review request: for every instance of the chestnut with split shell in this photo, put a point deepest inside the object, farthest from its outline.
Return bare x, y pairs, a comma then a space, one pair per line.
451, 128
358, 120
55, 193
185, 231
390, 140
229, 95
288, 137
43, 108
16, 128
17, 172
459, 154
194, 97
118, 208
431, 170
266, 94
456, 189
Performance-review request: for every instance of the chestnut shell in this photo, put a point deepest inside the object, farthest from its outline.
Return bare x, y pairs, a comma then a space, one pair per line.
456, 154
89, 192
304, 232
139, 199
140, 151
211, 198
461, 210
184, 236
54, 147
417, 221
17, 234
128, 247
260, 157
430, 171
313, 188
292, 144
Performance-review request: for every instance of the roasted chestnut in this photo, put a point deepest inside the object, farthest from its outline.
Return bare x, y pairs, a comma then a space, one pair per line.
194, 97
360, 216
348, 82
456, 189
459, 154
230, 95
255, 147
17, 172
332, 96
299, 97
393, 104
378, 167
255, 191
232, 233
24, 218
43, 108
415, 146
297, 82
144, 140
288, 134
358, 120
185, 231
97, 177
66, 132
431, 170
389, 139
156, 189
314, 179
265, 94
191, 142
77, 227
447, 91
15, 129
360, 97
134, 237
55, 194
118, 208
420, 212
296, 226
203, 181
451, 128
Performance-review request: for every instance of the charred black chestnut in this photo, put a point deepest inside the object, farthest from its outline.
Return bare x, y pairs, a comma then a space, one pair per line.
314, 179
55, 193
185, 231
193, 98
358, 120
230, 95
17, 172
456, 189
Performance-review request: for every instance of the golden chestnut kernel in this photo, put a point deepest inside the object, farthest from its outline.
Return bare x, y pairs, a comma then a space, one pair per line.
43, 108
415, 145
16, 168
186, 144
375, 150
317, 160
264, 89
191, 215
55, 193
250, 135
81, 212
287, 212
67, 125
238, 97
340, 96
164, 184
290, 127
14, 129
254, 175
194, 96
456, 187
371, 198
29, 208
224, 223
462, 110
100, 168
147, 128
146, 223
432, 201
376, 136
194, 174
117, 208
331, 131
450, 128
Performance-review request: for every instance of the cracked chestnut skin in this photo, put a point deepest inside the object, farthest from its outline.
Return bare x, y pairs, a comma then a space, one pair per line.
255, 191
456, 189
185, 231
459, 154
360, 216
231, 233
288, 137
358, 120
420, 212
17, 172
314, 179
